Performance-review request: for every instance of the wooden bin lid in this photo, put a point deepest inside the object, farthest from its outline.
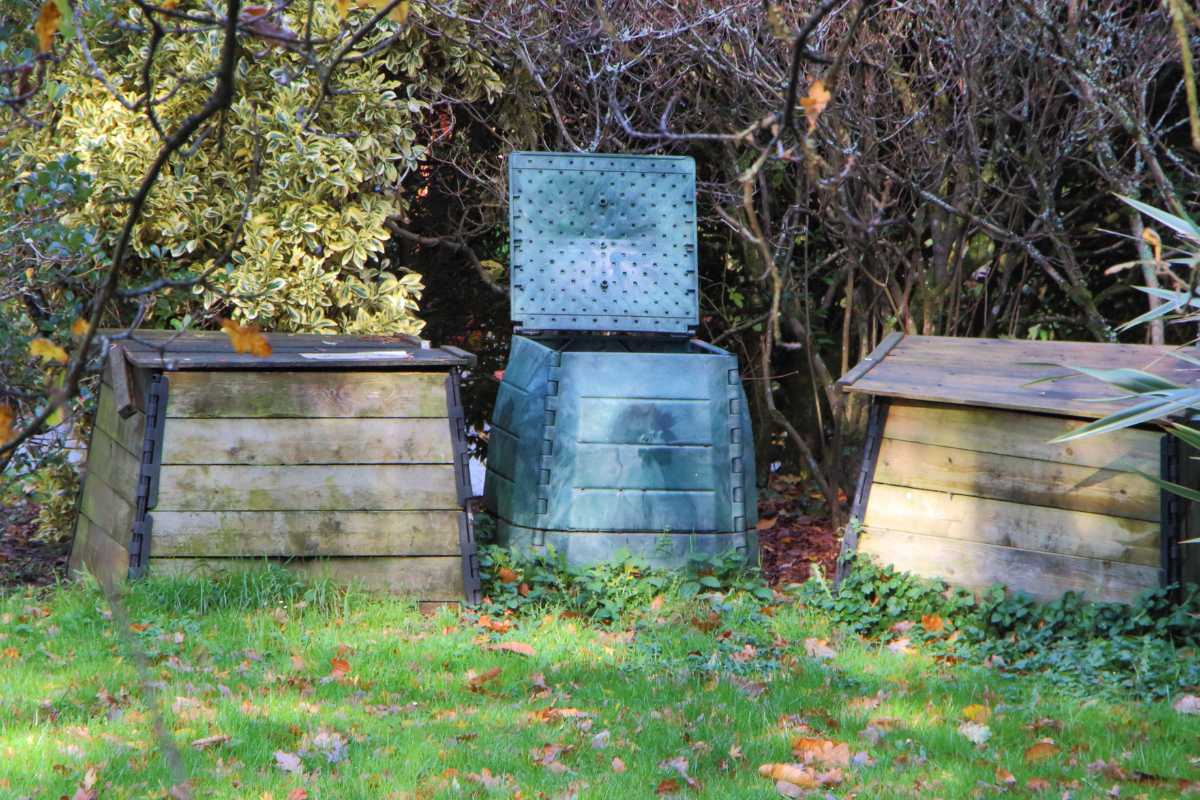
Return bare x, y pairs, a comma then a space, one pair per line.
996, 373
211, 350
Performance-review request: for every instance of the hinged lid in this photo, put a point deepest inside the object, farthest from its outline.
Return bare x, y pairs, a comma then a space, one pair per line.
603, 242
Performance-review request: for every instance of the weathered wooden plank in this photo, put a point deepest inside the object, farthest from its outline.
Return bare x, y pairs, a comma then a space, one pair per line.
97, 553
113, 464
305, 533
122, 382
873, 359
307, 394
1028, 527
1021, 480
111, 511
335, 487
1025, 435
420, 440
127, 432
1001, 352
426, 578
977, 566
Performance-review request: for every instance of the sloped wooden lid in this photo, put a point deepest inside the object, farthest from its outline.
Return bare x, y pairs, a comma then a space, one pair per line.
172, 350
996, 373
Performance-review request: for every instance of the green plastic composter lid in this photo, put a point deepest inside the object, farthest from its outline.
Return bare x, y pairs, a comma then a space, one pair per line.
603, 242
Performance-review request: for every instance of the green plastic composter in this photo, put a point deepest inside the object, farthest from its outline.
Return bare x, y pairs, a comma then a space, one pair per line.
613, 428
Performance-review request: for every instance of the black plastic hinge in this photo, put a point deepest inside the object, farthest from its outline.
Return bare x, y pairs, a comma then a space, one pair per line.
472, 582
1171, 513
148, 474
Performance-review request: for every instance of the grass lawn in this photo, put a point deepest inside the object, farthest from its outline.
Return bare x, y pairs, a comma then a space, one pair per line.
269, 689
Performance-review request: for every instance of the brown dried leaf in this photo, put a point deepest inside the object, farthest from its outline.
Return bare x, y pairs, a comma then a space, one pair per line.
246, 338
819, 649
815, 102
46, 27
520, 648
1040, 751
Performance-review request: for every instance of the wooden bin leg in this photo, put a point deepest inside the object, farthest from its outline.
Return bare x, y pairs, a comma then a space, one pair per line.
876, 421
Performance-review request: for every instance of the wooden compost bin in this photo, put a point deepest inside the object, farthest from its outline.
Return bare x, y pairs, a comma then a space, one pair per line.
337, 455
959, 481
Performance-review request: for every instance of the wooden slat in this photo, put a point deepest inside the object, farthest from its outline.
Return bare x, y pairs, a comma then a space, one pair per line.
1021, 480
427, 578
110, 510
305, 533
868, 363
1025, 435
996, 522
307, 394
96, 552
307, 488
423, 440
122, 382
977, 566
113, 464
126, 432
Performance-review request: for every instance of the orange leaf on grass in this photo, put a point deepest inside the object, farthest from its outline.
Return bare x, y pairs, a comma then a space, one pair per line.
494, 625
340, 667
507, 575
520, 648
475, 681
821, 751
1040, 751
933, 623
246, 338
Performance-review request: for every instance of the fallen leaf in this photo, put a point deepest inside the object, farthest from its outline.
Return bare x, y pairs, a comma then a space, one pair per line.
1040, 751
1004, 777
795, 774
903, 626
494, 625
821, 751
80, 327
977, 713
476, 681
819, 649
246, 338
340, 667
138, 627
7, 422
667, 786
933, 623
523, 590
298, 794
680, 765
1151, 237
507, 575
976, 733
787, 789
1037, 784
618, 766
520, 648
901, 646
398, 14
288, 762
49, 18
48, 351
815, 102
1187, 704
210, 741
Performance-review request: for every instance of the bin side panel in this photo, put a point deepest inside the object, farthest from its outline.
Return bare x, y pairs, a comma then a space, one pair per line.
979, 497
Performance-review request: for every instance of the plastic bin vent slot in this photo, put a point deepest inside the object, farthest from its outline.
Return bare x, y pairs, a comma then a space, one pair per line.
603, 243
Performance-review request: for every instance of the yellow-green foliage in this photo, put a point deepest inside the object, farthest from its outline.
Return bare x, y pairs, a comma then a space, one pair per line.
311, 256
